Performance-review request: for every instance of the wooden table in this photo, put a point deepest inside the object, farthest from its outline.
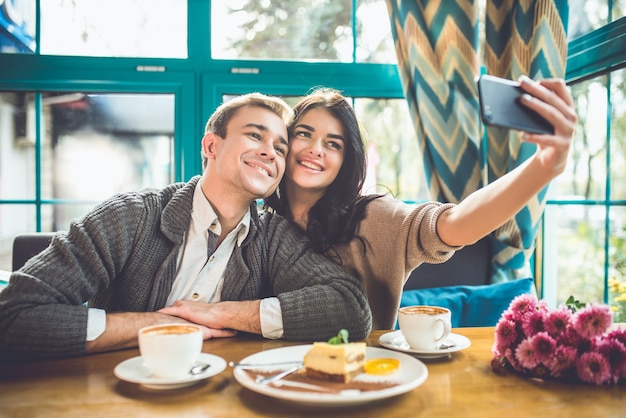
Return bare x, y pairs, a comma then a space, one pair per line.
460, 386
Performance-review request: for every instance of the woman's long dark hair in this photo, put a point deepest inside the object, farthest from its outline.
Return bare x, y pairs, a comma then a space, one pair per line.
335, 216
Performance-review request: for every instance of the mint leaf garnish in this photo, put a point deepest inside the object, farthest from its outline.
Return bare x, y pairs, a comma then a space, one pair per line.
341, 338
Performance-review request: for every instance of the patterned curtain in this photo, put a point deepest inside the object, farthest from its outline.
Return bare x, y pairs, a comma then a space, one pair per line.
437, 44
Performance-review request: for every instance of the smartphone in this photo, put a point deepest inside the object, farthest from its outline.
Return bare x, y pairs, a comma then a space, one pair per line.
500, 106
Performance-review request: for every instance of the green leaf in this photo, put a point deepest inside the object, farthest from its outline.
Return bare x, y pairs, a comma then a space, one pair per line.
341, 338
573, 305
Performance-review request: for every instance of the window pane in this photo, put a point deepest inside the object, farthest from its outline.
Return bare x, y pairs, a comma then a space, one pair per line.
282, 30
394, 160
617, 264
618, 135
374, 39
114, 28
17, 26
586, 16
92, 146
573, 260
619, 9
65, 213
585, 173
17, 145
109, 143
14, 219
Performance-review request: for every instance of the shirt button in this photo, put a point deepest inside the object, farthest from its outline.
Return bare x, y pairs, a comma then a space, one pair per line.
211, 258
195, 296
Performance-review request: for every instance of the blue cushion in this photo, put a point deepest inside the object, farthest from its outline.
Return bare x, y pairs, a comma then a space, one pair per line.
471, 306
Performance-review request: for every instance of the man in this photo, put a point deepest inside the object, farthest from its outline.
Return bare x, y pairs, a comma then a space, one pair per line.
137, 255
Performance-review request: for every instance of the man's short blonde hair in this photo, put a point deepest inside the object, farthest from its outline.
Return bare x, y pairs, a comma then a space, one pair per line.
218, 121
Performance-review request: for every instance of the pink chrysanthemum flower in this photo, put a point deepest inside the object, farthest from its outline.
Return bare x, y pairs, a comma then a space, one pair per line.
563, 360
533, 323
495, 350
526, 354
543, 346
511, 315
557, 321
523, 303
618, 334
506, 334
542, 306
593, 320
615, 353
594, 368
510, 357
573, 339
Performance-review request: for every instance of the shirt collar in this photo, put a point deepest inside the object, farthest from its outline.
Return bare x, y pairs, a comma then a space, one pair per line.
204, 217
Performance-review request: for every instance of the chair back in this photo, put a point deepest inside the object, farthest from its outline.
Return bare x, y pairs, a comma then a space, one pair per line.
25, 246
469, 266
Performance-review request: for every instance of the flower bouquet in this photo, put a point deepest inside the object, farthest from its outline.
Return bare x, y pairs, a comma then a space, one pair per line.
574, 343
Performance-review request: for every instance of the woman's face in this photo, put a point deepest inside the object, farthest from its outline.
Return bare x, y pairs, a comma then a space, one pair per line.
316, 150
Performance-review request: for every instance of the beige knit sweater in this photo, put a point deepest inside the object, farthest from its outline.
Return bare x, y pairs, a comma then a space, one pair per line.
396, 238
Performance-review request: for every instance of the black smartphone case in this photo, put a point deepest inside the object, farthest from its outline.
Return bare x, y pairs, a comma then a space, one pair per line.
500, 106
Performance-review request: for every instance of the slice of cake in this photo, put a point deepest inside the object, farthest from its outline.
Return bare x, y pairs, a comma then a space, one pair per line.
335, 362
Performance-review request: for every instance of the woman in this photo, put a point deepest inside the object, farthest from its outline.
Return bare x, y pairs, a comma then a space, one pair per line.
380, 239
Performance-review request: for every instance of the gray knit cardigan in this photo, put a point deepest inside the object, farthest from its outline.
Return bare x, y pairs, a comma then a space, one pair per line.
122, 256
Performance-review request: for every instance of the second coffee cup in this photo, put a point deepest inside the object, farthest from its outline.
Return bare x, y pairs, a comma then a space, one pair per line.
424, 327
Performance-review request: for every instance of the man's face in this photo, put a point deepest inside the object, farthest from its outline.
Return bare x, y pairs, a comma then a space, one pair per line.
251, 159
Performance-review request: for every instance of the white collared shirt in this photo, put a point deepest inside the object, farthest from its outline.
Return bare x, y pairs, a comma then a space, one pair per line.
199, 278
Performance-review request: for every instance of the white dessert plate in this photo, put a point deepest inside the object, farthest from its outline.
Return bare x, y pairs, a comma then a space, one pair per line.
411, 373
395, 341
133, 370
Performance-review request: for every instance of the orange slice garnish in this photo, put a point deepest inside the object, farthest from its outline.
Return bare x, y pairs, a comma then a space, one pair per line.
381, 366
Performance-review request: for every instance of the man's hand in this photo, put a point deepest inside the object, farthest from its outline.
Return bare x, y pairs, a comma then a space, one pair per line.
122, 328
239, 316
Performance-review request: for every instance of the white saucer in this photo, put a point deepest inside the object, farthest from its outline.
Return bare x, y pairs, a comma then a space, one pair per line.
395, 341
134, 371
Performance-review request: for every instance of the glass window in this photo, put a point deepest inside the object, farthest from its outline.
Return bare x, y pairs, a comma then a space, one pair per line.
585, 175
573, 259
90, 147
17, 145
618, 135
17, 26
14, 219
282, 30
576, 226
619, 9
114, 28
586, 16
617, 263
374, 39
587, 212
109, 143
301, 30
394, 160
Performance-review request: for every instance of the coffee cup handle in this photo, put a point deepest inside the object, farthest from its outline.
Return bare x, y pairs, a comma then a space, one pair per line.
446, 330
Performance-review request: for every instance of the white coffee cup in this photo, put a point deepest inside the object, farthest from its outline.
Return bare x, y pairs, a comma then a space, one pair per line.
424, 327
169, 351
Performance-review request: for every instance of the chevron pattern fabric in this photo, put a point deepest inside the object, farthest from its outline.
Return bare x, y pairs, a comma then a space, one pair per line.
437, 44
